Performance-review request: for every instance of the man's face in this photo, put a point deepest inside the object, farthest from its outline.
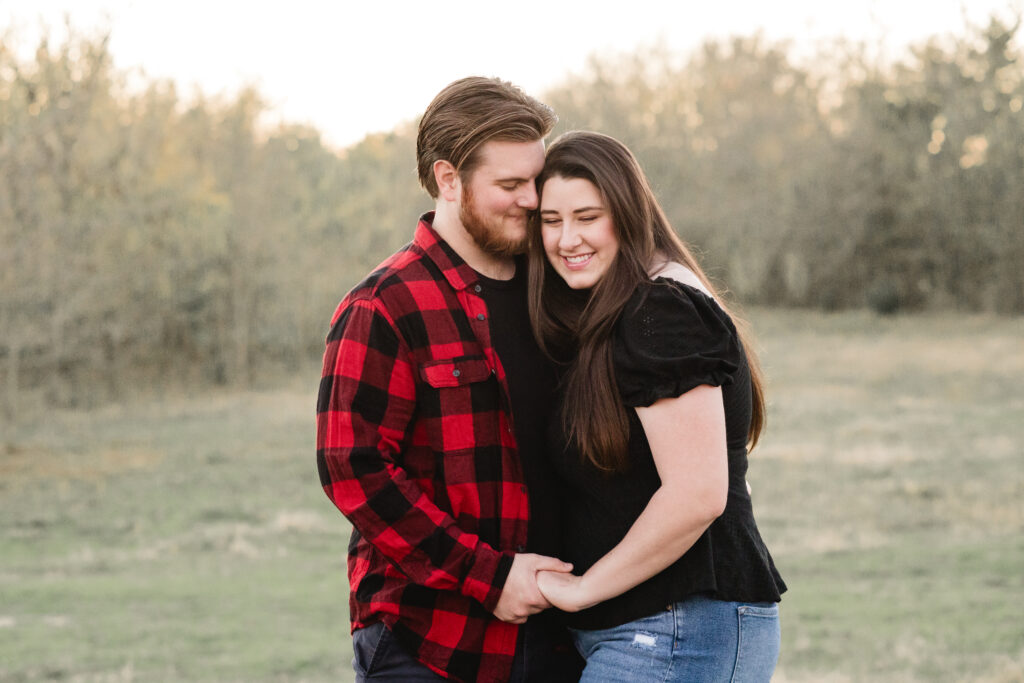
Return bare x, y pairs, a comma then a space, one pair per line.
499, 194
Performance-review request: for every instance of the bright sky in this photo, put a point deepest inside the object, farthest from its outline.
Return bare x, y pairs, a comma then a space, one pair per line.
352, 67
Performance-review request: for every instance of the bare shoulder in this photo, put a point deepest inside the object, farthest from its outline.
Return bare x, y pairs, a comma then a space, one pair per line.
680, 273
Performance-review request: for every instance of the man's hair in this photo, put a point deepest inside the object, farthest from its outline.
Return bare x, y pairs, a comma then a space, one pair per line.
469, 113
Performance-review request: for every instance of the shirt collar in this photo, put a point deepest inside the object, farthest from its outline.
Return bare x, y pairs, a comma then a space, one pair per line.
458, 273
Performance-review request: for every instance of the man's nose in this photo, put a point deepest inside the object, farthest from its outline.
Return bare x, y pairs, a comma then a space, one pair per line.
528, 197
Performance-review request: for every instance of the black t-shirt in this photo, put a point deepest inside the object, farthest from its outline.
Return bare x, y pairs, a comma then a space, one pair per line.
671, 338
531, 383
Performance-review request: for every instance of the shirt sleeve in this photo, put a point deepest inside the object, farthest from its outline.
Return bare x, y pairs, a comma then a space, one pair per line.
364, 413
671, 338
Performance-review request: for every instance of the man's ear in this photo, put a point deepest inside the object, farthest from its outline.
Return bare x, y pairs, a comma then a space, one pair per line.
448, 181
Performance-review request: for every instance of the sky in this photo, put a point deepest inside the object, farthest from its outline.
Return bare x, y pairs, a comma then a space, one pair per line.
351, 68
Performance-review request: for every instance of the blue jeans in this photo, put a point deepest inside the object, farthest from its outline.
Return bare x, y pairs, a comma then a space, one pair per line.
698, 639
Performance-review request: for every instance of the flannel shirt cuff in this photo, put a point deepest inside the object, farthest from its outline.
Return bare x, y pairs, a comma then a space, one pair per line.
486, 578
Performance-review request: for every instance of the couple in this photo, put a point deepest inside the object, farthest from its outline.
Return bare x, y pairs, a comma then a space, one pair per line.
486, 413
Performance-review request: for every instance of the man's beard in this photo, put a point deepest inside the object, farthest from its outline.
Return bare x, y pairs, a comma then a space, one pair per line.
488, 234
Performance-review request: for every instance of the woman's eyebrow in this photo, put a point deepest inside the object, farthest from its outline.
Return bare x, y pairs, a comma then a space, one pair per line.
580, 210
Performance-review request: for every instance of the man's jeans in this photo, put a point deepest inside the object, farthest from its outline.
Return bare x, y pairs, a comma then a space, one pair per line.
544, 654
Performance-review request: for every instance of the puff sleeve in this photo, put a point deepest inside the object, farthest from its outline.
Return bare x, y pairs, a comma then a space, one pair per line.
671, 338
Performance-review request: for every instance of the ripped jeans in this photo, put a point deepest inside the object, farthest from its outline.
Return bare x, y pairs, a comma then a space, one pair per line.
698, 639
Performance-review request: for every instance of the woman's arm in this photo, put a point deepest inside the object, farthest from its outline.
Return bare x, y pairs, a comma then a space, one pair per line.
688, 442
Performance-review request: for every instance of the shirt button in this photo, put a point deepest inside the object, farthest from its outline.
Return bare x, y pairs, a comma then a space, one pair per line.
478, 289
456, 373
480, 316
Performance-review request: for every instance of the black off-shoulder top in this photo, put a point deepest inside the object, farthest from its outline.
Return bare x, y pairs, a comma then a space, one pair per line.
670, 338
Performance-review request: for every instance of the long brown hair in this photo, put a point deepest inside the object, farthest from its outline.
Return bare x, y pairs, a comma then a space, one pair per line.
579, 325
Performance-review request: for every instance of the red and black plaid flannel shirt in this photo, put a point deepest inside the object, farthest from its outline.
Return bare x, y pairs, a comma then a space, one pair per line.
415, 447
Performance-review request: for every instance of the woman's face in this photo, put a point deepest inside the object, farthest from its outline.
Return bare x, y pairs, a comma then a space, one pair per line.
577, 231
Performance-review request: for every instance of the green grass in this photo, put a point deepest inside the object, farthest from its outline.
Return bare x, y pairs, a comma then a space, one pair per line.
890, 487
188, 540
172, 541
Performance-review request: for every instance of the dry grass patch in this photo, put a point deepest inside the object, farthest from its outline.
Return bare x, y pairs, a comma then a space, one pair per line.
33, 463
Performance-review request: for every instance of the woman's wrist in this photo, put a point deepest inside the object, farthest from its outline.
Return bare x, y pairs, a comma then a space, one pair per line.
586, 592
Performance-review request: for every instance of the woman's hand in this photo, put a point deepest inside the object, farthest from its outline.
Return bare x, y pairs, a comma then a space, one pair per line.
565, 591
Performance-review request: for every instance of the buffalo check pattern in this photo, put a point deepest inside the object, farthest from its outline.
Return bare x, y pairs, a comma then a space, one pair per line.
415, 447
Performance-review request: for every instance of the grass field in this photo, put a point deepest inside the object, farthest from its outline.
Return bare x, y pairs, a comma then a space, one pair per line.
188, 540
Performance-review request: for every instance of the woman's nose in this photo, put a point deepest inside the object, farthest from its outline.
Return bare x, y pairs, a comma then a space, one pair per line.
570, 236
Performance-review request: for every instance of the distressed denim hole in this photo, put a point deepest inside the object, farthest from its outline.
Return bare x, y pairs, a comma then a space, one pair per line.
644, 641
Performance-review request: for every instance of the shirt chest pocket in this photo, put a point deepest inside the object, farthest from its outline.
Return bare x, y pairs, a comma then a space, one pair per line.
455, 372
459, 405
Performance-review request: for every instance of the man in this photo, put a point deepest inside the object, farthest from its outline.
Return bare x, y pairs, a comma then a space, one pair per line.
431, 415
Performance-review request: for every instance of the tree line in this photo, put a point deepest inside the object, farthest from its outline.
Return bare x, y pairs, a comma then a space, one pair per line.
149, 239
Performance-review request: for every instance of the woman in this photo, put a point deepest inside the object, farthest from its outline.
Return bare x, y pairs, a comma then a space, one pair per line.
660, 401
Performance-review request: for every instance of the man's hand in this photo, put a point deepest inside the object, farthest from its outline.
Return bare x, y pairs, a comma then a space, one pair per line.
520, 597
